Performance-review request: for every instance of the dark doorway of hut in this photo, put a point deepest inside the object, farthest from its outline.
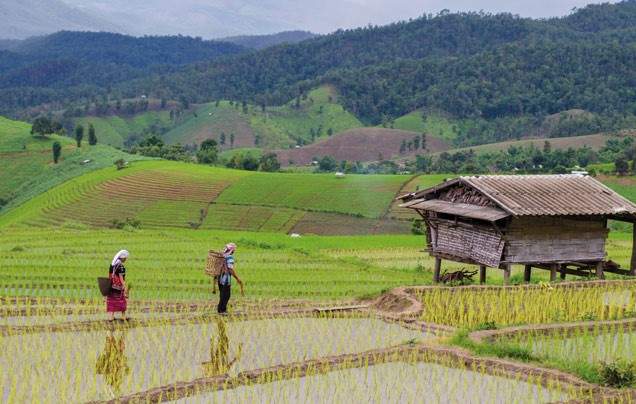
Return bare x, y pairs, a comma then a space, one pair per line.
557, 223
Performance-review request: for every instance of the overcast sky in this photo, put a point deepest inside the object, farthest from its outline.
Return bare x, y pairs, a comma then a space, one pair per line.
383, 11
218, 18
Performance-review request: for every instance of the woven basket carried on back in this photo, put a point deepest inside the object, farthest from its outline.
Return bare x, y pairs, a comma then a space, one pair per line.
215, 263
104, 286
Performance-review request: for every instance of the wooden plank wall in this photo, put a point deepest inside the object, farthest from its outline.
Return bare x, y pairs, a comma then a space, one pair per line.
480, 244
555, 239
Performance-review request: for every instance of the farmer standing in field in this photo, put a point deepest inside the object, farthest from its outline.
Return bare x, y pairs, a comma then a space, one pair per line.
225, 278
116, 301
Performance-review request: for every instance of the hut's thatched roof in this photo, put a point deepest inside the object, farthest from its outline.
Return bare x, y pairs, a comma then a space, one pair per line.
539, 195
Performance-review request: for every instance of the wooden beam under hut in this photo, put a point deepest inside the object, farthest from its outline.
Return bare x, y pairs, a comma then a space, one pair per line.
438, 269
632, 266
507, 270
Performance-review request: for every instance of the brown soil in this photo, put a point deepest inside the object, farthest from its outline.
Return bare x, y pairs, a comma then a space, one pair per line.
625, 181
361, 144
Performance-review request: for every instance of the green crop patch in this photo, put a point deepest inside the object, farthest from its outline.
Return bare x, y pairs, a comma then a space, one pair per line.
26, 162
115, 130
429, 123
251, 218
318, 115
363, 195
157, 193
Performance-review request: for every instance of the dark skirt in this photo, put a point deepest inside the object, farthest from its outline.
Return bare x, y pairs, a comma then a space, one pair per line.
116, 301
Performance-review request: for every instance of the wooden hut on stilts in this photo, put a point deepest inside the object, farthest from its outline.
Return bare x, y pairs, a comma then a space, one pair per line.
557, 223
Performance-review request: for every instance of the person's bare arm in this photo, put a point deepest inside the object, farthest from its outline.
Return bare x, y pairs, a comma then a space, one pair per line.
240, 282
123, 285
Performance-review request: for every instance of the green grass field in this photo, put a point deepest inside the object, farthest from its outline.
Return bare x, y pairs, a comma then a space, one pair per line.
364, 195
114, 130
166, 263
26, 163
433, 124
274, 266
277, 127
595, 142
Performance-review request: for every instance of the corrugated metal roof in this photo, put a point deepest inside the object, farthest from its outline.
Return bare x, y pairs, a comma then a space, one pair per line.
568, 194
458, 209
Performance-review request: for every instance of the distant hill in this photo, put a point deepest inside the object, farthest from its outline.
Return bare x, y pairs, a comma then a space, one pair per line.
486, 78
83, 60
362, 144
25, 18
265, 41
26, 163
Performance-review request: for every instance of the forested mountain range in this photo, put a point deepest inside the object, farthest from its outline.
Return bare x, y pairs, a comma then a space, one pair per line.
499, 75
265, 41
81, 64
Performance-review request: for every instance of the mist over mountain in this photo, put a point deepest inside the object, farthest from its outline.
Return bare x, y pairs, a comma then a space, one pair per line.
227, 18
25, 18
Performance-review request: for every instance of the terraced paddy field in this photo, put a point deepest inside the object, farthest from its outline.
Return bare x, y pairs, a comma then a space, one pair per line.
288, 354
584, 347
160, 194
287, 338
409, 382
470, 308
188, 352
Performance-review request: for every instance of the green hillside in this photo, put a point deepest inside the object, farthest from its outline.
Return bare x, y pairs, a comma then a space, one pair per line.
169, 194
114, 130
26, 162
430, 123
593, 141
275, 127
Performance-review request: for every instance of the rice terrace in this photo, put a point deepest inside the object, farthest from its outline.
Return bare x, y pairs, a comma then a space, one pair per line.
317, 202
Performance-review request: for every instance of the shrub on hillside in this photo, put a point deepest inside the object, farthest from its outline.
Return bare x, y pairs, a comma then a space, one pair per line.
43, 126
269, 162
121, 164
128, 223
57, 151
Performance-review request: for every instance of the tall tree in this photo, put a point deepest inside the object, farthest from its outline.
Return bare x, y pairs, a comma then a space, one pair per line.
232, 139
44, 126
92, 137
57, 151
622, 166
79, 135
222, 139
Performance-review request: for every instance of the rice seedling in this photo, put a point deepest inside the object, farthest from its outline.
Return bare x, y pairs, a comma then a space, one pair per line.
537, 304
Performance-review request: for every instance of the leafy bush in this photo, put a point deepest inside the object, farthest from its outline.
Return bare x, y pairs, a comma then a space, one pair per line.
618, 374
128, 223
417, 227
488, 325
120, 164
